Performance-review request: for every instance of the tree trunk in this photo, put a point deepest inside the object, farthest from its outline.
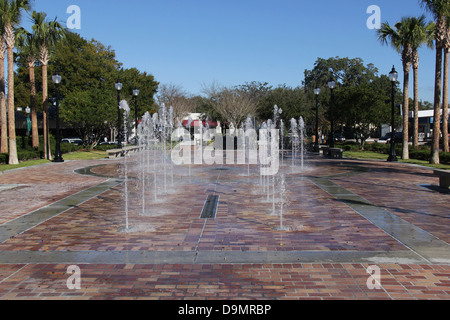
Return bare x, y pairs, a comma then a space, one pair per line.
34, 121
437, 107
405, 153
3, 119
445, 100
47, 150
13, 159
416, 108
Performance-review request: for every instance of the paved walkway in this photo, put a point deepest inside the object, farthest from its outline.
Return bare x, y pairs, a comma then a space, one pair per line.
349, 230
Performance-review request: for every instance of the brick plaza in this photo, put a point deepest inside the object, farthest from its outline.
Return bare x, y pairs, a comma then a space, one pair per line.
344, 217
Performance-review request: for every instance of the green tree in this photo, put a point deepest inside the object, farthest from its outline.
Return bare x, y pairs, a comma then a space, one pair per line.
91, 112
48, 34
402, 37
363, 108
359, 89
440, 9
28, 49
133, 78
423, 34
11, 13
3, 114
90, 66
293, 101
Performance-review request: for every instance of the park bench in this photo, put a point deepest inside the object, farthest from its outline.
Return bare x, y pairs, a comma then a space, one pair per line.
115, 153
444, 178
325, 150
335, 153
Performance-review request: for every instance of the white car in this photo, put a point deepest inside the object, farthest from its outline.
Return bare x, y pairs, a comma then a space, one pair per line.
76, 141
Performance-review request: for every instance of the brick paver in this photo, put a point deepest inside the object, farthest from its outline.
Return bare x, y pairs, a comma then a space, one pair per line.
316, 221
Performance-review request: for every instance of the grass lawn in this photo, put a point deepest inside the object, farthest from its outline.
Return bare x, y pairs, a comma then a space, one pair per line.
86, 155
81, 155
24, 164
378, 156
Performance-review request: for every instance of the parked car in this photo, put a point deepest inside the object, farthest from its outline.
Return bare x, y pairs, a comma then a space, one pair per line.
338, 137
76, 141
387, 138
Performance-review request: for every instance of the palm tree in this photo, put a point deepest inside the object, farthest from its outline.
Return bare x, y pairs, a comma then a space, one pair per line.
28, 49
445, 96
400, 38
423, 33
47, 33
441, 11
3, 117
10, 12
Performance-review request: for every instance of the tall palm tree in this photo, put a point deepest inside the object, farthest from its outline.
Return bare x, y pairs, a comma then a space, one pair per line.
28, 49
48, 34
440, 9
400, 38
3, 115
423, 34
11, 12
445, 96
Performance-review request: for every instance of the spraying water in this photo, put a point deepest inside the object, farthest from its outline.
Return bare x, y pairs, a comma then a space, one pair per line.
124, 106
302, 131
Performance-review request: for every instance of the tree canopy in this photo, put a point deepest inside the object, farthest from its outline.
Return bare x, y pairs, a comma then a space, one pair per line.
89, 71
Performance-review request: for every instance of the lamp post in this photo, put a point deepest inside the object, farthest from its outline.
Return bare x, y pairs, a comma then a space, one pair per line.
28, 111
332, 86
119, 87
135, 94
316, 146
58, 156
393, 76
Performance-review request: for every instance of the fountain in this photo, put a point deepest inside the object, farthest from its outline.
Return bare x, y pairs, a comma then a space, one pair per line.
124, 106
153, 132
284, 201
301, 128
294, 140
248, 141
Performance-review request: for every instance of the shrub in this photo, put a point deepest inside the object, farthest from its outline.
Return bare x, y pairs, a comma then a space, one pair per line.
28, 155
4, 158
105, 147
445, 157
68, 148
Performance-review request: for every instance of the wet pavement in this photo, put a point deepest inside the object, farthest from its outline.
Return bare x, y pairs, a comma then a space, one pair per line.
349, 230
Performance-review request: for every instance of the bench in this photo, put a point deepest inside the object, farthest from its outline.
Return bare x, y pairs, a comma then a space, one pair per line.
333, 153
444, 178
325, 151
336, 153
115, 153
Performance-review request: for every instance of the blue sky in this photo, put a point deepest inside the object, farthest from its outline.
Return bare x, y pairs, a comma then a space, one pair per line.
192, 43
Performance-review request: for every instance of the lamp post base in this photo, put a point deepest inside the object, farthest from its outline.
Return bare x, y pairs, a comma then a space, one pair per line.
58, 159
392, 159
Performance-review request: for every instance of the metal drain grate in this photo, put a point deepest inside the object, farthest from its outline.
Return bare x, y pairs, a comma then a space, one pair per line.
210, 208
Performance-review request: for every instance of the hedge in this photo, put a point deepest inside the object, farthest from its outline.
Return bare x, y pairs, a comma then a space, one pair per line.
423, 153
21, 156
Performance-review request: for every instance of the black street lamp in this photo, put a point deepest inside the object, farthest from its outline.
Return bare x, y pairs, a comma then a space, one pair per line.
58, 156
316, 145
119, 87
332, 86
28, 111
393, 76
136, 110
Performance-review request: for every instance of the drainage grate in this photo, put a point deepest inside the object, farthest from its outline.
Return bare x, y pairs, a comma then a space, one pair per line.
210, 208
